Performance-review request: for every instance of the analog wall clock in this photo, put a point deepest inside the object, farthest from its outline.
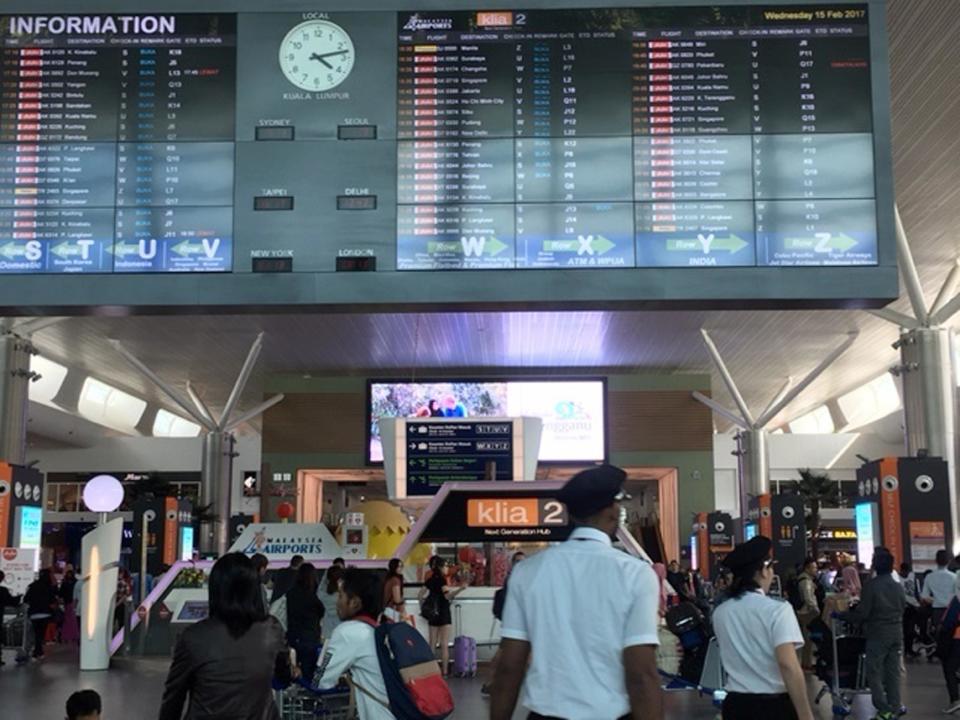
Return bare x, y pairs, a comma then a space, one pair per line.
317, 55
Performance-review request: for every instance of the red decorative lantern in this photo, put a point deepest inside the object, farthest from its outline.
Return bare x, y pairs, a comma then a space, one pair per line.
285, 511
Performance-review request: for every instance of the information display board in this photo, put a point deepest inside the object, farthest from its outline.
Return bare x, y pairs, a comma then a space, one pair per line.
456, 452
659, 154
654, 137
117, 143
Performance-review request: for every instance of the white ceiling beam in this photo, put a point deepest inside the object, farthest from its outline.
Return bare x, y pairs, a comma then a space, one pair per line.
160, 383
897, 318
721, 410
727, 378
253, 412
791, 395
240, 385
909, 271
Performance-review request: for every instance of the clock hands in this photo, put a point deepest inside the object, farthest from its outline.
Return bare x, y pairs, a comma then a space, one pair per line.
322, 58
315, 56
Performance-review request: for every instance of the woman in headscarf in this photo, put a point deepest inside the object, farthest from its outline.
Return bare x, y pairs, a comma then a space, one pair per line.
851, 581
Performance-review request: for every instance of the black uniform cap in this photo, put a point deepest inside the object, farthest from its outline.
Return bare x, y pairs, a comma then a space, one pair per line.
590, 491
748, 554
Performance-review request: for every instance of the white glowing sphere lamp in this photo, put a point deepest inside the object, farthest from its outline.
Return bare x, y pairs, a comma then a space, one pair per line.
103, 493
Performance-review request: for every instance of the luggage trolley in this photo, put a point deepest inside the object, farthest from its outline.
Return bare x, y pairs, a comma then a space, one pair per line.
844, 671
303, 702
17, 635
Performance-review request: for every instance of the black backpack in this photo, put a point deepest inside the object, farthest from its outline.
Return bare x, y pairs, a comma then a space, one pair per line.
793, 593
499, 600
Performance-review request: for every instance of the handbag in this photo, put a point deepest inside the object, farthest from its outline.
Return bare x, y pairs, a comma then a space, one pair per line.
430, 609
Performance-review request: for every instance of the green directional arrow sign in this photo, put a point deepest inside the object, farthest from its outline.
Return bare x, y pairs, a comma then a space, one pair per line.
185, 248
12, 250
122, 249
65, 250
599, 244
486, 245
821, 242
731, 244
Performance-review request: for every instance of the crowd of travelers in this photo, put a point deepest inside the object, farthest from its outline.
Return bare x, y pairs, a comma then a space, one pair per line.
350, 628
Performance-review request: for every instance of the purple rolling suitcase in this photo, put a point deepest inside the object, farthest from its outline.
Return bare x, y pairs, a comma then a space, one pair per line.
464, 652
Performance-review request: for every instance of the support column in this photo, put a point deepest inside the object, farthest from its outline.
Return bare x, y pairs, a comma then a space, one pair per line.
215, 485
930, 400
756, 463
15, 376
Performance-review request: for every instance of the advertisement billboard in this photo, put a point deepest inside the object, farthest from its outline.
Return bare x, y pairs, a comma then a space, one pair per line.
573, 410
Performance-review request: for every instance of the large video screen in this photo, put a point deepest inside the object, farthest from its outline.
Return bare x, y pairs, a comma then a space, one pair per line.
117, 143
573, 411
654, 137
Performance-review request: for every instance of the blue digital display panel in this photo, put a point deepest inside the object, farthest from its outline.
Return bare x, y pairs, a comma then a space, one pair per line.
636, 137
117, 143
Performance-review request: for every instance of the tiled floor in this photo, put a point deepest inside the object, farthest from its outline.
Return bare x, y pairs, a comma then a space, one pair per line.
132, 690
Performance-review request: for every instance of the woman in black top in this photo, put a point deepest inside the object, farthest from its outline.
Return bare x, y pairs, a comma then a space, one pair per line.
438, 596
304, 615
225, 664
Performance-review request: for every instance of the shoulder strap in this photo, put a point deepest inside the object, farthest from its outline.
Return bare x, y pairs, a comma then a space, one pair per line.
354, 684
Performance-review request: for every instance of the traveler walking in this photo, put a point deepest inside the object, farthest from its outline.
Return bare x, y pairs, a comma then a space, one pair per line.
591, 645
284, 579
261, 564
938, 590
758, 639
352, 646
304, 614
911, 592
41, 599
225, 663
881, 613
394, 608
435, 597
329, 592
499, 600
948, 648
809, 610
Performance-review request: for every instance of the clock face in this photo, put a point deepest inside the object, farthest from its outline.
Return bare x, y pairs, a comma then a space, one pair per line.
317, 55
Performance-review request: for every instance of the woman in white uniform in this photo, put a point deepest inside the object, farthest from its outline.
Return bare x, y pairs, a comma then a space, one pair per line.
758, 638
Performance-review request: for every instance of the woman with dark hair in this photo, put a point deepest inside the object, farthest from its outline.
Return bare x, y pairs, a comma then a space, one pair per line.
435, 597
304, 613
435, 409
226, 662
328, 593
758, 639
393, 605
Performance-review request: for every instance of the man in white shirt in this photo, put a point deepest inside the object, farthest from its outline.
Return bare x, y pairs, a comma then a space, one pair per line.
939, 587
588, 614
352, 648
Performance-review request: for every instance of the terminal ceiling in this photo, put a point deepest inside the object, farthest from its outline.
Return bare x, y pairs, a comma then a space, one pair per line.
761, 347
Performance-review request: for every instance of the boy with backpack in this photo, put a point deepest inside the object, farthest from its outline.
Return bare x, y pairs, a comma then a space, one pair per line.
391, 666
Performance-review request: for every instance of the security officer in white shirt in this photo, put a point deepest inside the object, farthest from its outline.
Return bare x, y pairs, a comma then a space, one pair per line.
588, 613
758, 637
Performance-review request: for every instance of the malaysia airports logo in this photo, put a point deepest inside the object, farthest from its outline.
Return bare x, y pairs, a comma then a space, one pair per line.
416, 23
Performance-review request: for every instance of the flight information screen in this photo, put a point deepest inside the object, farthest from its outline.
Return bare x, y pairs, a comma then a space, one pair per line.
117, 143
657, 137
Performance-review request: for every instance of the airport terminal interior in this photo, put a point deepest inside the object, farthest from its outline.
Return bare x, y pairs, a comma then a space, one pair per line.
367, 281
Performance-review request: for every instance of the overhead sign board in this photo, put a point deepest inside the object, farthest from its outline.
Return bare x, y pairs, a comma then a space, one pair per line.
734, 153
457, 452
515, 514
